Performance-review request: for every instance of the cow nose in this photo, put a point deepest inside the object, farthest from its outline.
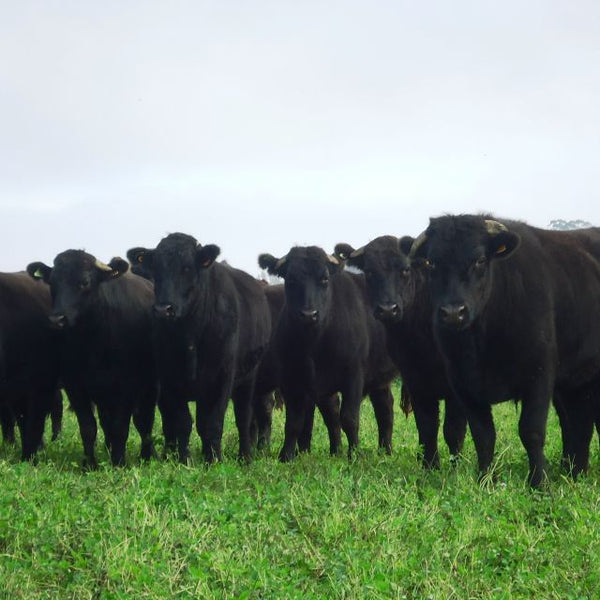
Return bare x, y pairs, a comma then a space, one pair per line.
453, 314
164, 311
58, 321
387, 311
309, 316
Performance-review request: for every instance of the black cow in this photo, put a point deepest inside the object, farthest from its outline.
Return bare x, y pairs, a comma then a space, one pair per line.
268, 382
104, 317
329, 342
212, 327
400, 298
28, 357
516, 314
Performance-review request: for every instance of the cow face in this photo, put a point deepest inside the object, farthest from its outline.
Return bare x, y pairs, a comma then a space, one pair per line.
307, 272
459, 253
74, 281
179, 268
388, 274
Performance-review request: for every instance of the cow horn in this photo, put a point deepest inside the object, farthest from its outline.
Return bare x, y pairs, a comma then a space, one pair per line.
102, 266
333, 259
494, 227
280, 262
358, 252
417, 244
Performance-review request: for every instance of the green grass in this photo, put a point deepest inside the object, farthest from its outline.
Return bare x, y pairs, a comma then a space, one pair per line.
321, 527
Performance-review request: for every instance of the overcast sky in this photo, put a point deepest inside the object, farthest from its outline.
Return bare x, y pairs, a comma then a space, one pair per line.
260, 125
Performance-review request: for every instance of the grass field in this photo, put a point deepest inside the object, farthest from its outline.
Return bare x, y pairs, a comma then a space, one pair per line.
379, 527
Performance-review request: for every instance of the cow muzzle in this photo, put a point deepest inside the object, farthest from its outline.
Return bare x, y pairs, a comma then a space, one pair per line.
57, 321
164, 311
309, 316
388, 312
453, 316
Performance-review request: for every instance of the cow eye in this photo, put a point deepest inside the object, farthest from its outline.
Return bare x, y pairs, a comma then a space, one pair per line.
83, 285
480, 262
429, 263
405, 272
324, 281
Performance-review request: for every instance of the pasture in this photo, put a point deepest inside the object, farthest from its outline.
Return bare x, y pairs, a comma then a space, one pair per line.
319, 527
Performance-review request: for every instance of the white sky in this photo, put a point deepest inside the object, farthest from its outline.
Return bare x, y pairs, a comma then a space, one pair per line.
260, 125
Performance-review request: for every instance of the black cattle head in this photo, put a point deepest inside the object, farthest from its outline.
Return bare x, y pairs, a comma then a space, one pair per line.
459, 253
388, 274
74, 281
307, 272
179, 267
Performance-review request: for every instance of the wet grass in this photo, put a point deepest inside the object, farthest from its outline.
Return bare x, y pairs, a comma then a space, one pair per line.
321, 527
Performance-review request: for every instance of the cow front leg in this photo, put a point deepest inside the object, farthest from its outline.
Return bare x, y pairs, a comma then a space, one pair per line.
483, 431
383, 406
455, 428
330, 411
350, 412
87, 429
426, 410
243, 409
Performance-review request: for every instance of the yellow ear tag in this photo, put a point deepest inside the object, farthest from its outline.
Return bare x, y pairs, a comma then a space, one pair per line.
38, 274
501, 249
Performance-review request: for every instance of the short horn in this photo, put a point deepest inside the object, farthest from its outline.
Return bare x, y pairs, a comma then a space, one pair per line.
494, 227
333, 259
280, 262
102, 266
358, 252
417, 244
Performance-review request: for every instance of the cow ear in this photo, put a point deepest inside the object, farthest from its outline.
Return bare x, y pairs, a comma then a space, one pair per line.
348, 255
343, 251
206, 255
119, 266
39, 270
503, 244
406, 243
272, 265
140, 257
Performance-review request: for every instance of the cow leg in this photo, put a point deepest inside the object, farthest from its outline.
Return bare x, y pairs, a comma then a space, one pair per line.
143, 419
295, 412
33, 426
383, 405
183, 429
120, 418
481, 424
209, 424
455, 428
565, 425
262, 421
56, 414
242, 407
580, 415
532, 431
87, 429
7, 421
168, 416
350, 412
427, 418
330, 411
105, 418
305, 437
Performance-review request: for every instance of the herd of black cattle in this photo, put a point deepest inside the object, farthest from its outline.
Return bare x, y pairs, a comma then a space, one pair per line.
474, 311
